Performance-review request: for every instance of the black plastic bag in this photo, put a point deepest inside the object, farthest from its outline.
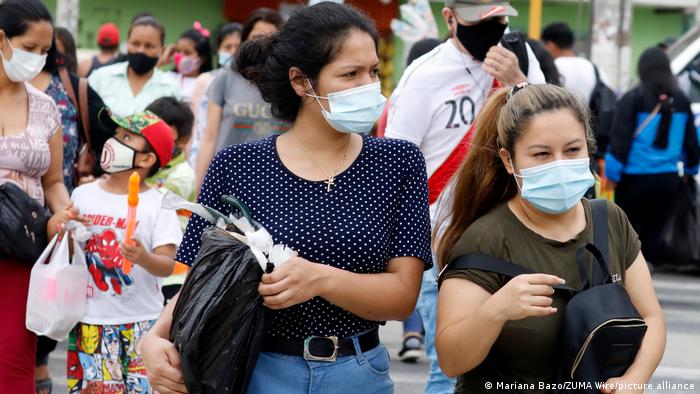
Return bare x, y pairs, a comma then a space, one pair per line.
680, 238
219, 320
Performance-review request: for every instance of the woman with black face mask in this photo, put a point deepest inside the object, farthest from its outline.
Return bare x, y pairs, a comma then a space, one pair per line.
129, 87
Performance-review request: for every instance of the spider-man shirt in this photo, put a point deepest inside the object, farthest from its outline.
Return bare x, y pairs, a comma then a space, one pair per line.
114, 296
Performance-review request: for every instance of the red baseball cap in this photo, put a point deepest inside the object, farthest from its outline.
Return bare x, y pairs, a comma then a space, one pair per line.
147, 124
108, 35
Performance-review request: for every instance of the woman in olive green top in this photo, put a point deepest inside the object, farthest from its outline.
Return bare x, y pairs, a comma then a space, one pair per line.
518, 197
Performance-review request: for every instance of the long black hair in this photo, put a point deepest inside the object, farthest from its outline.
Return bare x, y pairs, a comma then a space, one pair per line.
68, 58
310, 39
53, 59
202, 46
16, 15
655, 74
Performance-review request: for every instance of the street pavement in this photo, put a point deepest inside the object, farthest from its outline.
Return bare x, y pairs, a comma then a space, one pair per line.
680, 300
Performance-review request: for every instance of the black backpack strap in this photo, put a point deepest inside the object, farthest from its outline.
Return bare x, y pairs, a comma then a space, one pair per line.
483, 262
597, 73
599, 213
515, 42
599, 248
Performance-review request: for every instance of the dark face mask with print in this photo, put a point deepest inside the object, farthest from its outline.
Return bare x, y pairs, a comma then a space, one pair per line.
141, 63
479, 38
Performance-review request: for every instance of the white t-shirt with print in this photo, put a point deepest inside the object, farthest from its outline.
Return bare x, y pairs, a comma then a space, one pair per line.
437, 101
113, 296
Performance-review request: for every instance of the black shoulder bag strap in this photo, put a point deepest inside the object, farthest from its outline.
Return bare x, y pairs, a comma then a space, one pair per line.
597, 74
483, 262
599, 211
600, 248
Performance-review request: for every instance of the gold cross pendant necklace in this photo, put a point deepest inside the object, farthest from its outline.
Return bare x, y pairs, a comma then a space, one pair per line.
330, 181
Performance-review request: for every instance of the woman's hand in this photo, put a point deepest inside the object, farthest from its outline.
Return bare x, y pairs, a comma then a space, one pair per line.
525, 296
162, 364
295, 282
60, 218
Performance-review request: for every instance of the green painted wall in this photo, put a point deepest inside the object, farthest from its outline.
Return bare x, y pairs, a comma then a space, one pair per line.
649, 28
176, 15
51, 5
665, 24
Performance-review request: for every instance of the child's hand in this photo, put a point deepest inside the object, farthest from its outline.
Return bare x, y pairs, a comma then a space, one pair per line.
134, 252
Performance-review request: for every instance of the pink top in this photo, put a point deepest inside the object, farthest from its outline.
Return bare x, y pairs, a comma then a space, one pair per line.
25, 158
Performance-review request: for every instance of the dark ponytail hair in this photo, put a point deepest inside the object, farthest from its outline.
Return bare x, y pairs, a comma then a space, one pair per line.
16, 15
482, 179
202, 46
310, 39
655, 73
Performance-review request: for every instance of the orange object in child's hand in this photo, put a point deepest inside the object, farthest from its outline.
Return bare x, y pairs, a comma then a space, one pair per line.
133, 201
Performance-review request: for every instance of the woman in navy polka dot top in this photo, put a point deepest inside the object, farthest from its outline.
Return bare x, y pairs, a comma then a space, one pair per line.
355, 208
377, 211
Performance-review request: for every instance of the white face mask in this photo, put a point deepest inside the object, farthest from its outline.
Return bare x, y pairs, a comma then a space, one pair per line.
117, 157
224, 58
23, 66
353, 110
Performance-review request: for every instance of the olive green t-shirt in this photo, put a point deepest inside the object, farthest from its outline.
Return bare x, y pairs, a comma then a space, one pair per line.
527, 350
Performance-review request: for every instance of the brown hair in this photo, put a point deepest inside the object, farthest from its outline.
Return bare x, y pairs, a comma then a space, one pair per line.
482, 182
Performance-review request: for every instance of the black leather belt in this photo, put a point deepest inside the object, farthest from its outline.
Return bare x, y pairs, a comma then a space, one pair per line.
321, 348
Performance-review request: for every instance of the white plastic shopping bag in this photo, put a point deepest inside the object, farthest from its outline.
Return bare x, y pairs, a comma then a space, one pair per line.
57, 290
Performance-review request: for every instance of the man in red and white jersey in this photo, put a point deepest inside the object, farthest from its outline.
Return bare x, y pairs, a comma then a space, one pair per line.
436, 104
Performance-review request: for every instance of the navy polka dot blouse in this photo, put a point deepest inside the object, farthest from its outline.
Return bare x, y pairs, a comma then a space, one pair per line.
377, 210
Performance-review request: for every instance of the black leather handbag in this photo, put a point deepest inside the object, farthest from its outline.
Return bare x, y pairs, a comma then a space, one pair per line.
22, 225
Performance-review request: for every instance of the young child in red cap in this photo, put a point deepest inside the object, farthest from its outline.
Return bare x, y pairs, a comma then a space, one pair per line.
103, 353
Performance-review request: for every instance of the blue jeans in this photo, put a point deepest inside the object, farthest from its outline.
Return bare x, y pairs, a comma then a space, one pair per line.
414, 323
438, 383
367, 373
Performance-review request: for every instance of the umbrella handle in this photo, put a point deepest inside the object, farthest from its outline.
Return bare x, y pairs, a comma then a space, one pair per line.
238, 204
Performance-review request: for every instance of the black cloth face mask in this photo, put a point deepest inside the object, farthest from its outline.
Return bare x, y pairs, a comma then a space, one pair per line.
141, 63
479, 38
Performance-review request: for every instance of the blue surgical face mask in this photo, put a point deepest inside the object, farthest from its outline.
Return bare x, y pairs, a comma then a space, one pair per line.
353, 110
224, 58
557, 186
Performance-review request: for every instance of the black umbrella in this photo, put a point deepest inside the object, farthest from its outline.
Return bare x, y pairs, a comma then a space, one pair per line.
219, 320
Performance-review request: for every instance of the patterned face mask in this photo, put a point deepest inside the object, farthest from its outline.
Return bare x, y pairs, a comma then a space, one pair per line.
117, 156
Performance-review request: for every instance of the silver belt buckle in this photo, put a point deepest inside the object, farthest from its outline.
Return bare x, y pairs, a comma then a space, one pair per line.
310, 357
